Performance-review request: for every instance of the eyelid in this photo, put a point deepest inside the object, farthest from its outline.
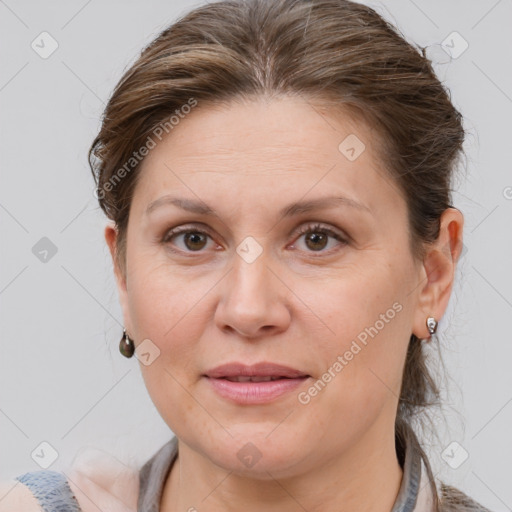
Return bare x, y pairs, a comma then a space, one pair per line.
185, 228
313, 226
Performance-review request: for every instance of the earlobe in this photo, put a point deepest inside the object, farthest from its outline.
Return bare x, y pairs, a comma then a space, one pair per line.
438, 272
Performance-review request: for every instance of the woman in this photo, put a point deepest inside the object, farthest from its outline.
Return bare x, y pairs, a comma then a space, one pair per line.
278, 179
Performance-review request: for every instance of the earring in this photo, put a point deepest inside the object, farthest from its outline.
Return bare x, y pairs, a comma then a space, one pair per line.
126, 345
431, 325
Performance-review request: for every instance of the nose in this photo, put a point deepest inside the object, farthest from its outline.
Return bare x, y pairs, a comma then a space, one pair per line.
254, 301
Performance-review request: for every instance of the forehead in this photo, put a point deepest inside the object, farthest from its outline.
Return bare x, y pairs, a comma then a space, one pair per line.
266, 151
285, 125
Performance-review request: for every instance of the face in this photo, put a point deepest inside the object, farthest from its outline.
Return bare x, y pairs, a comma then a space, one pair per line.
248, 283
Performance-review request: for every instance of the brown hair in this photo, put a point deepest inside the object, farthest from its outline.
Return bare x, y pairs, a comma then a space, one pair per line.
335, 51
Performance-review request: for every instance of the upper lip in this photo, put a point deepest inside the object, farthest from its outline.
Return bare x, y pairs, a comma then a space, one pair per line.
261, 369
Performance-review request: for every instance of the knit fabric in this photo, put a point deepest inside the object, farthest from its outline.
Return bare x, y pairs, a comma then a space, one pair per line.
52, 490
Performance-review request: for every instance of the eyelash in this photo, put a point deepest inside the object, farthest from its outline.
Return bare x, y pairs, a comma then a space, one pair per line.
311, 228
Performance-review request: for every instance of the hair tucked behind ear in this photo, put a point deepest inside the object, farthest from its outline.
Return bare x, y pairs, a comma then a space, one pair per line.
333, 51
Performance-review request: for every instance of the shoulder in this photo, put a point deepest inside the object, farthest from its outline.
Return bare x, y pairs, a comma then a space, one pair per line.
454, 500
16, 497
100, 480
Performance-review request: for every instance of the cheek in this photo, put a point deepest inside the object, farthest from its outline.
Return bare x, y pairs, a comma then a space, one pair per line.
167, 310
369, 329
161, 297
364, 300
171, 317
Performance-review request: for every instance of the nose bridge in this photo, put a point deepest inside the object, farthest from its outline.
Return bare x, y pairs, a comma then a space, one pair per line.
250, 276
251, 298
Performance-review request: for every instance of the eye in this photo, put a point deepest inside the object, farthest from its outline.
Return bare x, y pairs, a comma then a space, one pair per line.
194, 239
317, 237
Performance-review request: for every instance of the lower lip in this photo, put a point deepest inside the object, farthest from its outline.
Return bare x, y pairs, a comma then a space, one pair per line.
254, 392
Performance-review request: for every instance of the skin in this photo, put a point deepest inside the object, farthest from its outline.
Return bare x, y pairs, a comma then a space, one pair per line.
300, 303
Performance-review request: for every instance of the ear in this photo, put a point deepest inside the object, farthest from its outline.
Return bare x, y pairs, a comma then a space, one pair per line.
438, 271
111, 237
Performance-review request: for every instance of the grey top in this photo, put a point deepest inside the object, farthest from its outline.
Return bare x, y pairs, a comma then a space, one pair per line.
153, 475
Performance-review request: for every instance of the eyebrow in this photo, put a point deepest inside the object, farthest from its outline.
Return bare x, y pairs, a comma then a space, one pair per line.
292, 209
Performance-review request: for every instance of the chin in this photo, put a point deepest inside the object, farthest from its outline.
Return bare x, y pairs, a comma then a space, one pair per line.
255, 454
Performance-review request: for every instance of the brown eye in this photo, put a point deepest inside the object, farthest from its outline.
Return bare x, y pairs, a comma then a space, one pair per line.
317, 238
316, 241
193, 240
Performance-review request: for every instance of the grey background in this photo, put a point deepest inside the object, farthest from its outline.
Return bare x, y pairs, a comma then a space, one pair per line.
62, 379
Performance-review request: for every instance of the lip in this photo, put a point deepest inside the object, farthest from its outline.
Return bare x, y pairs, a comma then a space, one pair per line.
261, 369
252, 393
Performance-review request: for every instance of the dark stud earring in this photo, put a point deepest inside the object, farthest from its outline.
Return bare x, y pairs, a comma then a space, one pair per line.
126, 345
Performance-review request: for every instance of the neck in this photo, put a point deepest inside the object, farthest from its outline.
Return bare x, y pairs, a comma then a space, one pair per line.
365, 478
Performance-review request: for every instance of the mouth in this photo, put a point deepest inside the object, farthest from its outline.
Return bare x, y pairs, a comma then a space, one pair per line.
257, 384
